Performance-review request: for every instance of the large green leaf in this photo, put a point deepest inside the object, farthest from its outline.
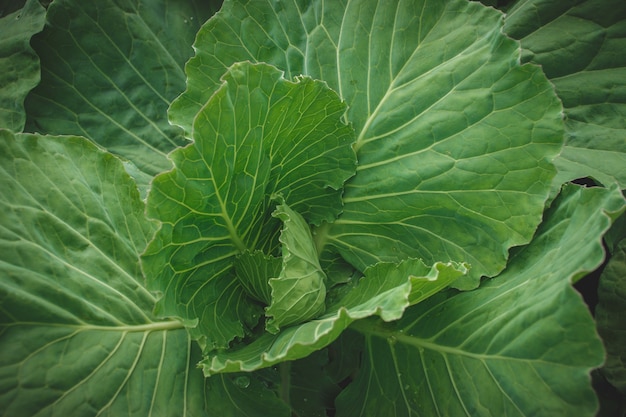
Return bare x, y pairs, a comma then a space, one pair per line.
77, 334
19, 65
579, 44
386, 290
454, 140
522, 344
109, 71
259, 136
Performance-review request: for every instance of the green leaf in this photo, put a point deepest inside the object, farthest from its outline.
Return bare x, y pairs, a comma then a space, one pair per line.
610, 313
454, 142
522, 344
298, 293
579, 44
109, 70
258, 136
77, 333
19, 65
385, 291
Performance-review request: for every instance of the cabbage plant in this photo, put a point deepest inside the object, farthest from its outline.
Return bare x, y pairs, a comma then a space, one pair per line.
312, 208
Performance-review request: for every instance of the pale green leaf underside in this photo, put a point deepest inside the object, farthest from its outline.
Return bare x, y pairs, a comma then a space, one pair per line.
386, 290
77, 334
454, 141
258, 136
610, 314
522, 344
109, 72
579, 45
19, 65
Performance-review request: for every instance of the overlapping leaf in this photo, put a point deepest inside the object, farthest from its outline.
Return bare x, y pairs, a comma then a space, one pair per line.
19, 64
257, 137
454, 137
77, 334
386, 290
577, 44
109, 70
522, 344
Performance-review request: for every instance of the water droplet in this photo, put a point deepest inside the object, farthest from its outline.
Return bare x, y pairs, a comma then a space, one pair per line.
407, 387
242, 381
392, 340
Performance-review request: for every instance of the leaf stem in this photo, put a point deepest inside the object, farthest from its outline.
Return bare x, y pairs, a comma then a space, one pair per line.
148, 327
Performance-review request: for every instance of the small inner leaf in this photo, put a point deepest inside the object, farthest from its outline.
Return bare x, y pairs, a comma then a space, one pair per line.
299, 292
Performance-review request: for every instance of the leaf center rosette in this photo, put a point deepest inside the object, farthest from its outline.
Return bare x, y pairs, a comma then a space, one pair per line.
258, 138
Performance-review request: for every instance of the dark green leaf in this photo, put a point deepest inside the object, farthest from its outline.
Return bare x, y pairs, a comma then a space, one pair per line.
243, 395
311, 390
610, 313
579, 45
19, 65
110, 70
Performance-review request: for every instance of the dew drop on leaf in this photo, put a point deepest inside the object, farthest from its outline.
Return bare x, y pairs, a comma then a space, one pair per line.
242, 381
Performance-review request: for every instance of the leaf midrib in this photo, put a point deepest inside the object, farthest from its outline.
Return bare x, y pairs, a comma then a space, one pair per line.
126, 328
369, 329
